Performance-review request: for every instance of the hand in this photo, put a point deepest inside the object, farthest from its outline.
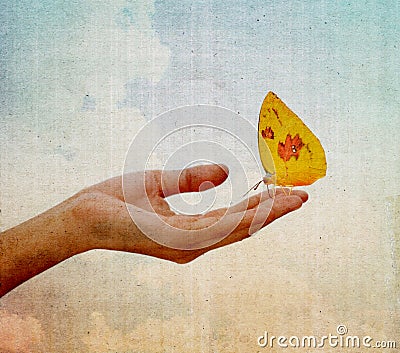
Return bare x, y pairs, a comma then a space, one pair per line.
99, 217
103, 208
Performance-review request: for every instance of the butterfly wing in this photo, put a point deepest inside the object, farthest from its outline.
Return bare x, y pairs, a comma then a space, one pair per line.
288, 148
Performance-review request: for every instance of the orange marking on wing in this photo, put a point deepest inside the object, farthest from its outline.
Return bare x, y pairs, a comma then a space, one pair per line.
268, 133
291, 147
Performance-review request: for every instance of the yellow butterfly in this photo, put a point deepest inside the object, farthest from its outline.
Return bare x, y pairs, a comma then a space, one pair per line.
290, 153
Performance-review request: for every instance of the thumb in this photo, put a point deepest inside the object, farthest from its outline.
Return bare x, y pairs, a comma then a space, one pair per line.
198, 178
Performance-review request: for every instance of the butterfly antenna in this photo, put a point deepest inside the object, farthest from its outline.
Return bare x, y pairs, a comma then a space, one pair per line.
254, 187
268, 191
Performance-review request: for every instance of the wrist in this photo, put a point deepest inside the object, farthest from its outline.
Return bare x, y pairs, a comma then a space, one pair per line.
38, 244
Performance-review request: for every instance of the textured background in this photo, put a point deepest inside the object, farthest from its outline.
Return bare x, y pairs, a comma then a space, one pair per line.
79, 78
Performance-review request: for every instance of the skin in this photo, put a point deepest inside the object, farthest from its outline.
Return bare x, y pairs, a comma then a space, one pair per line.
98, 218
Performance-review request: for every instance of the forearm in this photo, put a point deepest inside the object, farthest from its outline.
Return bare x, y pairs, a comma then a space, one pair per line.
38, 244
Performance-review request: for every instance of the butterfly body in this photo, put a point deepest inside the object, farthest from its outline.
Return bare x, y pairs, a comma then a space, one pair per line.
290, 153
269, 178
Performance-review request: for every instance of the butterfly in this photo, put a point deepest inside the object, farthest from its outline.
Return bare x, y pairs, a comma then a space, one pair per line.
290, 153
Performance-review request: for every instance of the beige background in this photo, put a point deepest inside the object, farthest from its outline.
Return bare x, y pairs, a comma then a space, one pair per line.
81, 78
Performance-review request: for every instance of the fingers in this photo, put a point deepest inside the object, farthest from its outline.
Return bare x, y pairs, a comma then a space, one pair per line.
283, 206
251, 202
254, 219
242, 206
255, 200
244, 224
284, 191
208, 231
198, 178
